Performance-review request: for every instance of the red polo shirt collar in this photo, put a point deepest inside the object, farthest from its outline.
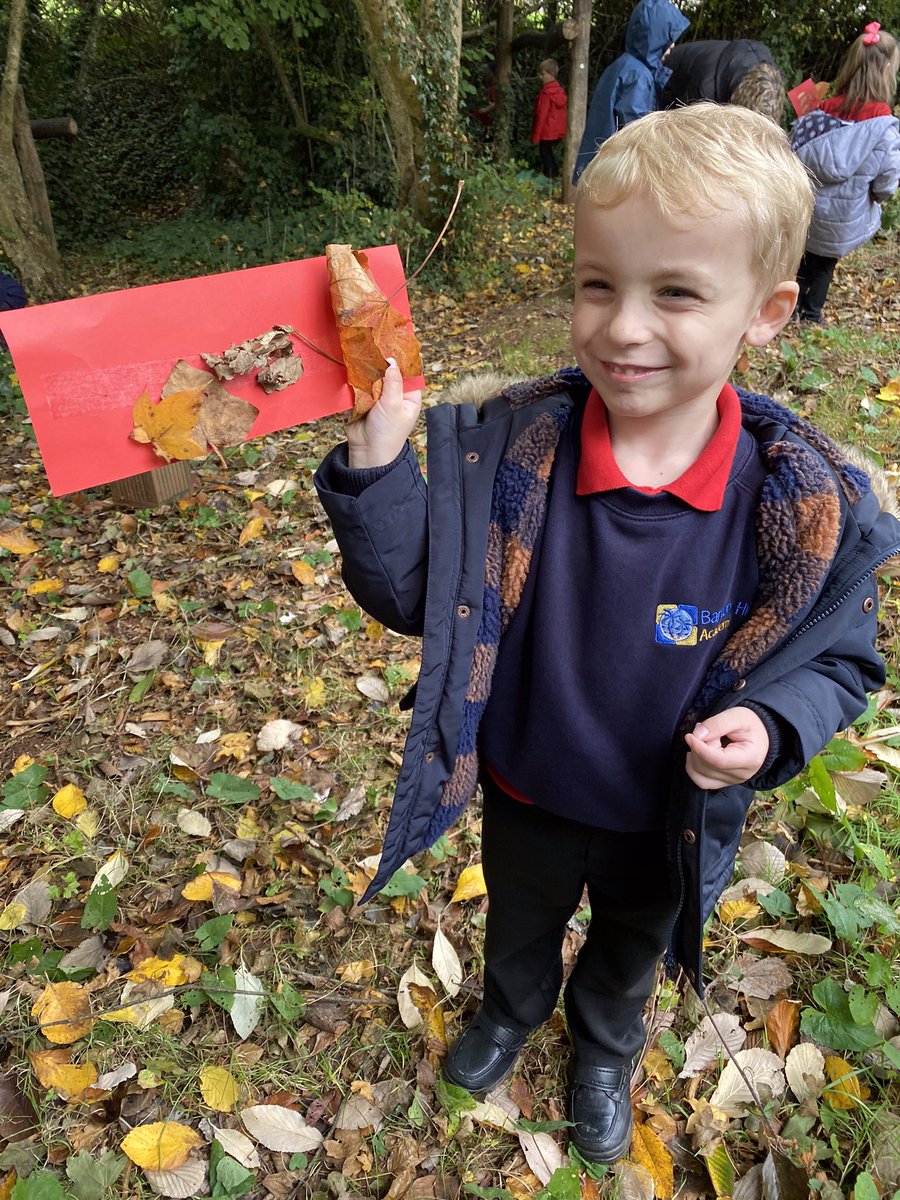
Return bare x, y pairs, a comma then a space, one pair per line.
702, 485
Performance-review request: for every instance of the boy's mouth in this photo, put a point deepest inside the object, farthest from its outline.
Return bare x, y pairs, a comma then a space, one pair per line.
629, 370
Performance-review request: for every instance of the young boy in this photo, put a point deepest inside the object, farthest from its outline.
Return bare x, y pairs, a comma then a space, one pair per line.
550, 113
643, 594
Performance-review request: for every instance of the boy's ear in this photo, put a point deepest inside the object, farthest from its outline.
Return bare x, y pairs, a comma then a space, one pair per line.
773, 314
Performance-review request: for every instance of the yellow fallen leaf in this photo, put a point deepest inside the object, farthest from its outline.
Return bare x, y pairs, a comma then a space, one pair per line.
254, 528
211, 651
109, 562
172, 972
247, 828
427, 1003
374, 631
17, 541
648, 1151
314, 694
54, 1069
165, 602
162, 1146
68, 1003
891, 391
201, 888
845, 1089
12, 916
657, 1066
470, 884
69, 801
303, 572
738, 910
235, 745
41, 586
22, 763
219, 1088
356, 972
88, 823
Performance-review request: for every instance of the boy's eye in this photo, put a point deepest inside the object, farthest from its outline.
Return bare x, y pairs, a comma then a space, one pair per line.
594, 285
679, 293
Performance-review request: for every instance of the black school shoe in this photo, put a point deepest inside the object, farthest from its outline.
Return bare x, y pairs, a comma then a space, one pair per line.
600, 1111
484, 1055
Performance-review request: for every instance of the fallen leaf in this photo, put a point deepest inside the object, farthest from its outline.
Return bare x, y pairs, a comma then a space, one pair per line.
370, 330
786, 941
542, 1154
42, 587
194, 824
112, 872
763, 1071
277, 735
17, 540
247, 1005
446, 963
190, 1179
470, 884
64, 1011
219, 1088
254, 528
55, 1070
280, 1128
252, 354
634, 1181
845, 1090
782, 1023
805, 1071
69, 801
648, 1151
410, 1014
238, 1146
705, 1044
161, 1146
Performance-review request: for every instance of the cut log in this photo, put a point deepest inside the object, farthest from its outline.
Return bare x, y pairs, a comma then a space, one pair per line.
54, 127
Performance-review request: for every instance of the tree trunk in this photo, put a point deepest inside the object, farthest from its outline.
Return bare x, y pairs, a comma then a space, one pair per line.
32, 171
578, 92
300, 124
416, 67
506, 11
31, 253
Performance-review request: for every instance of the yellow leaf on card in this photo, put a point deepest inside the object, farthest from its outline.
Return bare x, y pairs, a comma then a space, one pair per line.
69, 801
162, 1146
470, 884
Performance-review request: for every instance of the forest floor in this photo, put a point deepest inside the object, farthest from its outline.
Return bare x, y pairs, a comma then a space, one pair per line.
200, 733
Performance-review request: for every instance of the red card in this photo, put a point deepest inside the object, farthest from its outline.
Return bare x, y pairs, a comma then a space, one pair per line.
807, 96
82, 364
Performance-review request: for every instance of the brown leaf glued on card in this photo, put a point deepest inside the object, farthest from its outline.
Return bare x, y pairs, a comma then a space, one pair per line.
195, 412
371, 331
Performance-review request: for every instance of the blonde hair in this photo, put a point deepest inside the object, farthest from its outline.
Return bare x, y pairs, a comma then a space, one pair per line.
761, 89
549, 67
700, 159
868, 72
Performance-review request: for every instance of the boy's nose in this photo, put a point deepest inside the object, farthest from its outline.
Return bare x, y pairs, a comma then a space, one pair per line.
629, 322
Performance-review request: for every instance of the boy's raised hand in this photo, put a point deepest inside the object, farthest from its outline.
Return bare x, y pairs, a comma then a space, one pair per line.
378, 438
710, 764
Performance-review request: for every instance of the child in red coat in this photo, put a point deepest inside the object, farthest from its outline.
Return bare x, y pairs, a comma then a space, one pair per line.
550, 110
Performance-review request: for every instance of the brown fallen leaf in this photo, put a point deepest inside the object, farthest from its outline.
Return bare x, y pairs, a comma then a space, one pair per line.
371, 331
782, 1024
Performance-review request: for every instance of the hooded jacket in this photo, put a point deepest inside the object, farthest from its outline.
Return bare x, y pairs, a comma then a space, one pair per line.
550, 111
631, 86
856, 165
414, 558
711, 70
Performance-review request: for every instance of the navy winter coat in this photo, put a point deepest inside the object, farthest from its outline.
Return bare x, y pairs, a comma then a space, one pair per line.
711, 70
414, 558
631, 86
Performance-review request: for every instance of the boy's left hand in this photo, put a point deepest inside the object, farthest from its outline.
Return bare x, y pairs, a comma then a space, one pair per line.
710, 764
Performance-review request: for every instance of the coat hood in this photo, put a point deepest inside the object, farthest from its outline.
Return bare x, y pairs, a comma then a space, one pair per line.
652, 27
835, 150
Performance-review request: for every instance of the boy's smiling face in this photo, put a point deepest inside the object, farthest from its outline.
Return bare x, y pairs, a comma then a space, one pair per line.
662, 307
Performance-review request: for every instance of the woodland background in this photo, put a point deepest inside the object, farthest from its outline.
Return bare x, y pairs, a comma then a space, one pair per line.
200, 730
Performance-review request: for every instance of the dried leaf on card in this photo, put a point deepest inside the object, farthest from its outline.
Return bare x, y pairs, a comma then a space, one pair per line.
764, 1073
252, 354
161, 1146
225, 419
171, 427
371, 331
280, 373
805, 1071
647, 1150
782, 1023
280, 1128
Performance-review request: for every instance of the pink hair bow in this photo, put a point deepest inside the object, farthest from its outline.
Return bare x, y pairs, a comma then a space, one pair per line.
871, 34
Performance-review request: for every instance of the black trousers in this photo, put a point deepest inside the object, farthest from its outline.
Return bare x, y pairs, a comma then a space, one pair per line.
548, 157
814, 276
536, 865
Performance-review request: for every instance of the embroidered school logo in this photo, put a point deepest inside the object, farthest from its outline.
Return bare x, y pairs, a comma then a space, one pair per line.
676, 624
